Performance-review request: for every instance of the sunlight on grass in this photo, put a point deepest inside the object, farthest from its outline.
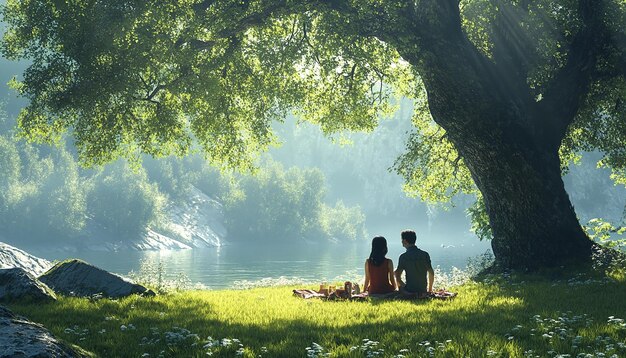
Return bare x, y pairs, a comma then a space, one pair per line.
505, 302
507, 318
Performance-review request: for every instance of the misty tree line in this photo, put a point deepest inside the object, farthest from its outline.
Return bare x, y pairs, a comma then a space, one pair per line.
45, 195
357, 164
273, 204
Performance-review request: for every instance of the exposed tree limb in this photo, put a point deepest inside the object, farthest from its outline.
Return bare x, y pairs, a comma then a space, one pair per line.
155, 91
201, 45
564, 95
305, 38
455, 165
351, 79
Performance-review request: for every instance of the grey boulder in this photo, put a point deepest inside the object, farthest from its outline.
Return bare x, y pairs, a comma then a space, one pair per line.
22, 338
78, 278
17, 284
13, 257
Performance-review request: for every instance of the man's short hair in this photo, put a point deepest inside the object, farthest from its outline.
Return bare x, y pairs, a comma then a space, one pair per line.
409, 236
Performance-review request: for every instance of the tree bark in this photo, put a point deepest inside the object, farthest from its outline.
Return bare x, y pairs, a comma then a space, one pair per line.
518, 173
514, 164
532, 219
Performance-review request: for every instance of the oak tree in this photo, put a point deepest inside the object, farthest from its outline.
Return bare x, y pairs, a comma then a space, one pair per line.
504, 89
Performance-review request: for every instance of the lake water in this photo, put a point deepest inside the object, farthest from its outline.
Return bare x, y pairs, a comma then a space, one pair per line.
221, 267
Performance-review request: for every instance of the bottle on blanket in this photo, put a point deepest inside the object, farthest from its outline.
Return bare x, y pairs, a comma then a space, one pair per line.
347, 288
324, 288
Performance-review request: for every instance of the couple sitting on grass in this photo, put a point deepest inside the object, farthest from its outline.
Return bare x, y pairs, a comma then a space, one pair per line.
381, 279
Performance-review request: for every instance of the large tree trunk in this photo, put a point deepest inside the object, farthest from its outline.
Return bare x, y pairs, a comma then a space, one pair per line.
513, 158
532, 219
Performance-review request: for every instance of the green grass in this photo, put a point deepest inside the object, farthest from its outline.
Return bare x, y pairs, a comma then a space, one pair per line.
506, 317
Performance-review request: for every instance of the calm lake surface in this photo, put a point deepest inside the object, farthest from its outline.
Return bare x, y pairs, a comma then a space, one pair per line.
221, 267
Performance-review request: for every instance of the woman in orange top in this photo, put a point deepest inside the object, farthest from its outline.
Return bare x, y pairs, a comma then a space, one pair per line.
379, 276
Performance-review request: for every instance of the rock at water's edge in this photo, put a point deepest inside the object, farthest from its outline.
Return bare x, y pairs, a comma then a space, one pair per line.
22, 338
78, 278
17, 284
11, 256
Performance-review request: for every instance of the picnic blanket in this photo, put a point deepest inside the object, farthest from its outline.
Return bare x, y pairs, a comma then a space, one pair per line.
441, 295
306, 294
396, 295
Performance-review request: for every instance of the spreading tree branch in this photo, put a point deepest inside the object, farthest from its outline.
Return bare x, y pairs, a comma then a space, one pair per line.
565, 93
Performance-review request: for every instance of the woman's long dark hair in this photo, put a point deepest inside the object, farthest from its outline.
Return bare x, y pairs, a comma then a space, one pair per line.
379, 250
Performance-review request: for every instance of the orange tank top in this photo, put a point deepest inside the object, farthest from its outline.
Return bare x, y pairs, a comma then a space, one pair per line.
379, 277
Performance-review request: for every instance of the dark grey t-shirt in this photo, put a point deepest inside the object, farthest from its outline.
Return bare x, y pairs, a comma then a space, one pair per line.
415, 263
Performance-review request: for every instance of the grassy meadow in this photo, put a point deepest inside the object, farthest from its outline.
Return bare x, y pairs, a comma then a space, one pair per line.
504, 316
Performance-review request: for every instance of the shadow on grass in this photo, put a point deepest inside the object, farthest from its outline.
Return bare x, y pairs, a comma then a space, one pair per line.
476, 321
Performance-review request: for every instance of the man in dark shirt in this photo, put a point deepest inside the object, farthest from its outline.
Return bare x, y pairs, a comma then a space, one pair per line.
416, 264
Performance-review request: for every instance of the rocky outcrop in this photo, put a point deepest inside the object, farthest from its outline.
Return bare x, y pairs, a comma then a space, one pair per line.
152, 240
78, 278
13, 257
22, 338
197, 221
17, 284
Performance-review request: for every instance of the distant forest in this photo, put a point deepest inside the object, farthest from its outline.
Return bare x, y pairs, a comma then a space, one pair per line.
311, 187
45, 194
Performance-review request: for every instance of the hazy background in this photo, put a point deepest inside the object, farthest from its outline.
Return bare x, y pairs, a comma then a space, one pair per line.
310, 211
